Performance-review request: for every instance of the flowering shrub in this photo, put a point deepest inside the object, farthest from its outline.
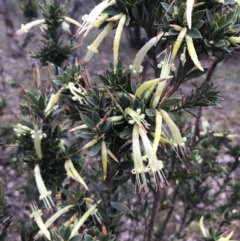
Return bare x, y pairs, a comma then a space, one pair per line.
128, 126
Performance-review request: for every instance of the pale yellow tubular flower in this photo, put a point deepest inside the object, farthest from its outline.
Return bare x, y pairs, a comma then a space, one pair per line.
166, 67
147, 144
89, 203
227, 238
137, 63
51, 103
81, 127
116, 118
192, 52
183, 56
158, 131
36, 214
176, 27
37, 142
112, 155
25, 28
73, 21
178, 43
189, 9
203, 229
72, 172
104, 159
44, 194
177, 140
139, 168
90, 144
54, 217
149, 84
81, 221
93, 48
116, 41
20, 129
93, 15
115, 17
234, 39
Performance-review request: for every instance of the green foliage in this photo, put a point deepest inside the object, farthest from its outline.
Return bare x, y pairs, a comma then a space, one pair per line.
52, 49
134, 126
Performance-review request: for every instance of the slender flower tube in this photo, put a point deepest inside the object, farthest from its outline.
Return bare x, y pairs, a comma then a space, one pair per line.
192, 52
158, 131
149, 84
147, 144
44, 194
51, 103
115, 17
178, 43
80, 222
53, 218
116, 41
137, 63
112, 155
81, 127
234, 39
25, 28
189, 10
90, 144
36, 214
73, 21
116, 118
72, 172
94, 14
89, 202
37, 142
227, 238
93, 48
177, 140
104, 159
22, 130
203, 229
139, 168
166, 67
206, 233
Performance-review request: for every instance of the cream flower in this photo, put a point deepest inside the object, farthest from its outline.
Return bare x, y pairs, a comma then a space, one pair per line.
45, 195
90, 20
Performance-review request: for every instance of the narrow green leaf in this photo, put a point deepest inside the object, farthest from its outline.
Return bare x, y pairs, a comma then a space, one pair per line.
119, 206
87, 121
95, 148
